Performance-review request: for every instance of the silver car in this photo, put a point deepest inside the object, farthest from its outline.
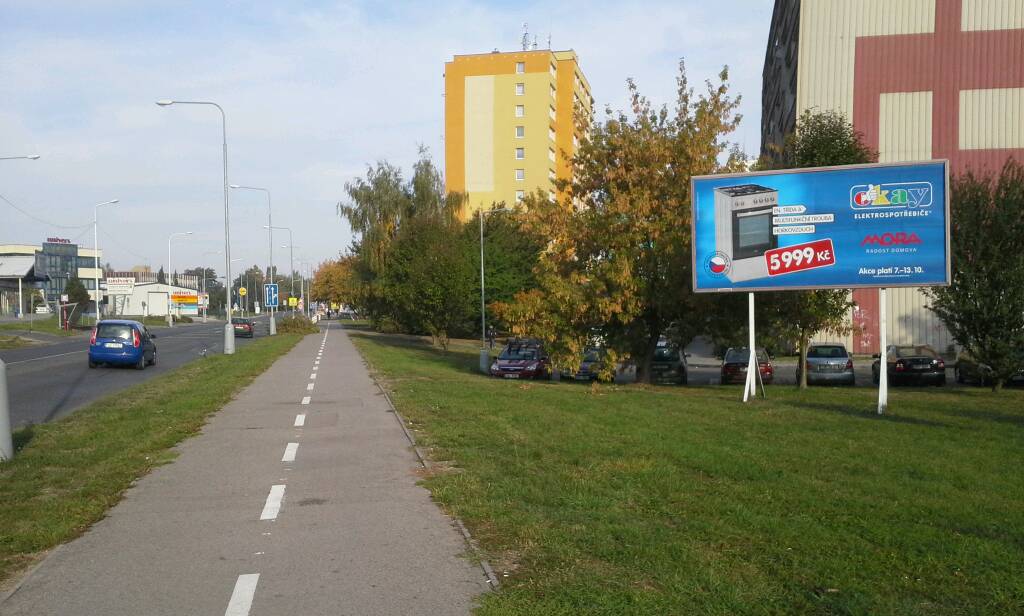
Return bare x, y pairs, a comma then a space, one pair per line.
828, 364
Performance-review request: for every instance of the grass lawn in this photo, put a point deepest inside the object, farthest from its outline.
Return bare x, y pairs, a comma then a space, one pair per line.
13, 342
68, 473
44, 324
660, 500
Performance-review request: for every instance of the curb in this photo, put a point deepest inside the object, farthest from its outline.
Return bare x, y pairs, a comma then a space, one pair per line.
492, 580
28, 574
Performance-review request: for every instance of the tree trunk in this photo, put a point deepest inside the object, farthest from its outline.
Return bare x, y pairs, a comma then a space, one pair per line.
997, 384
643, 374
804, 335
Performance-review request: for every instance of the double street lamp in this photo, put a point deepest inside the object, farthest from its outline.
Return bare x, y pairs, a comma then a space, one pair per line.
229, 334
270, 232
170, 319
21, 301
96, 253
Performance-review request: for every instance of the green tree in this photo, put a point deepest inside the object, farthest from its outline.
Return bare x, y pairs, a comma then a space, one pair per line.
984, 306
617, 259
161, 277
78, 295
821, 139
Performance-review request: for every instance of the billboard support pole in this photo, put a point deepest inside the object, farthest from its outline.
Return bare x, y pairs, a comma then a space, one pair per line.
750, 385
883, 364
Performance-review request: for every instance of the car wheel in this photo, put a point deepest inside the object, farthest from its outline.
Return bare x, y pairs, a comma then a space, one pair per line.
92, 364
875, 378
941, 382
152, 360
141, 365
959, 375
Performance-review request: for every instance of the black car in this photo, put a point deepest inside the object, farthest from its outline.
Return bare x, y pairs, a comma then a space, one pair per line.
918, 364
669, 365
590, 365
970, 370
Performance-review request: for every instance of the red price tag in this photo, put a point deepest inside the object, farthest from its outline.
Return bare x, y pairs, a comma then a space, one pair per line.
811, 255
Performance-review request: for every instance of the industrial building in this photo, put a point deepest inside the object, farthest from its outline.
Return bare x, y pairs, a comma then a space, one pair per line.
921, 80
510, 127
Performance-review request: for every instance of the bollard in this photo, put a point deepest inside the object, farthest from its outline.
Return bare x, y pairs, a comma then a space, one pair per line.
6, 444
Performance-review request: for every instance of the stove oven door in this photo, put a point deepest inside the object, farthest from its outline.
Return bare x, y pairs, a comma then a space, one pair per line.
752, 233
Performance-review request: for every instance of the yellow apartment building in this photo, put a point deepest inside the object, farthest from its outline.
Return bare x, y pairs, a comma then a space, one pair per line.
509, 126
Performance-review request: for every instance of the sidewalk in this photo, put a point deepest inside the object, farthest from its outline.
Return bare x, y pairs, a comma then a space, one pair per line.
298, 498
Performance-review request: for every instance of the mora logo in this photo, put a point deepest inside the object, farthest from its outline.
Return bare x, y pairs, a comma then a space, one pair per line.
904, 194
891, 239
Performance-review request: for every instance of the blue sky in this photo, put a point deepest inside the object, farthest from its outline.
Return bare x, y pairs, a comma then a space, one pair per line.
313, 93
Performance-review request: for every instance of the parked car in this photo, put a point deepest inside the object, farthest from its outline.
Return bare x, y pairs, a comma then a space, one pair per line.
522, 359
122, 342
669, 364
243, 327
589, 366
828, 364
970, 370
918, 363
736, 360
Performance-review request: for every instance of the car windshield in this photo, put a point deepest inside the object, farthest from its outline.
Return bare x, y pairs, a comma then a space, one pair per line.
519, 352
736, 356
240, 321
592, 355
919, 350
114, 330
821, 352
666, 354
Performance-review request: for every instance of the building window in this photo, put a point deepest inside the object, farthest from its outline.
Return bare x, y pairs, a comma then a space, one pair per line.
551, 175
520, 67
551, 196
554, 70
551, 134
520, 153
551, 154
520, 89
520, 195
551, 112
520, 132
520, 111
554, 93
520, 174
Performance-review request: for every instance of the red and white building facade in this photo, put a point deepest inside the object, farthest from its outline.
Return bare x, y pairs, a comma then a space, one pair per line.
921, 80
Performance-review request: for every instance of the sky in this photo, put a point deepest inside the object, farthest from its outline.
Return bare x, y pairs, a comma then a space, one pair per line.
313, 93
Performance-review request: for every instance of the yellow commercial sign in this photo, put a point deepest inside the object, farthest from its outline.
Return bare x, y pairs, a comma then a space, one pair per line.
293, 301
242, 291
184, 298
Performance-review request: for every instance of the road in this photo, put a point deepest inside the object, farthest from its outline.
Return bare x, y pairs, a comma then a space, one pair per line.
47, 382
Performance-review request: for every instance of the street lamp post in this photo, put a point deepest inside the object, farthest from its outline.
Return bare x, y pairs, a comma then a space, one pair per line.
21, 300
229, 334
96, 253
206, 309
170, 319
270, 232
485, 354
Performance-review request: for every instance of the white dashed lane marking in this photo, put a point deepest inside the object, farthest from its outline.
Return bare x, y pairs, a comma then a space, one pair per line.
273, 504
313, 376
309, 386
289, 452
300, 420
241, 597
305, 399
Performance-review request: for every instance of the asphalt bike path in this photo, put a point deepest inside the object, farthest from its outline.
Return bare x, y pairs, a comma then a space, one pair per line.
299, 497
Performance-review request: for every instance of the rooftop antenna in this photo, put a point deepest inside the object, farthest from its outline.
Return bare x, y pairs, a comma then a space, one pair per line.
526, 36
549, 40
534, 47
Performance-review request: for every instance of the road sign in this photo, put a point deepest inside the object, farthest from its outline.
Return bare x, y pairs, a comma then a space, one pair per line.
120, 285
242, 291
270, 296
293, 301
884, 225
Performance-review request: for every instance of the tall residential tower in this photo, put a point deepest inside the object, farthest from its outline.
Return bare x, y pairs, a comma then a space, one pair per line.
509, 126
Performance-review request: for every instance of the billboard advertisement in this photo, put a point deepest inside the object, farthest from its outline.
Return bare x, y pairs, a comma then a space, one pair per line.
185, 302
120, 285
881, 225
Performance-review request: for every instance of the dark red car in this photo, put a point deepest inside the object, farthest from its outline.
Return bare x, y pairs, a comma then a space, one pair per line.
522, 359
736, 360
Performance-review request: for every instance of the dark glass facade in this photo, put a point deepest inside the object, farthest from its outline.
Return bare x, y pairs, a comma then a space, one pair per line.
60, 262
778, 91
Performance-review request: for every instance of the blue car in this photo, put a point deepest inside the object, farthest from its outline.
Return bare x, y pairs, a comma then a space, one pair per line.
121, 342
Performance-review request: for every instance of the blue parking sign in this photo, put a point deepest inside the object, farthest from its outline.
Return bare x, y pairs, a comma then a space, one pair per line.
270, 295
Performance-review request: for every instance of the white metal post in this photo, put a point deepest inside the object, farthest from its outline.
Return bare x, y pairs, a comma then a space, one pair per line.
883, 363
21, 301
750, 386
6, 444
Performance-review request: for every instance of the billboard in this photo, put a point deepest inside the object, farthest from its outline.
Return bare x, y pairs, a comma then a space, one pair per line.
185, 302
881, 225
120, 285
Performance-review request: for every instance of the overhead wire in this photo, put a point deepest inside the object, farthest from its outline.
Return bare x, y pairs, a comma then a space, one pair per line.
40, 220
